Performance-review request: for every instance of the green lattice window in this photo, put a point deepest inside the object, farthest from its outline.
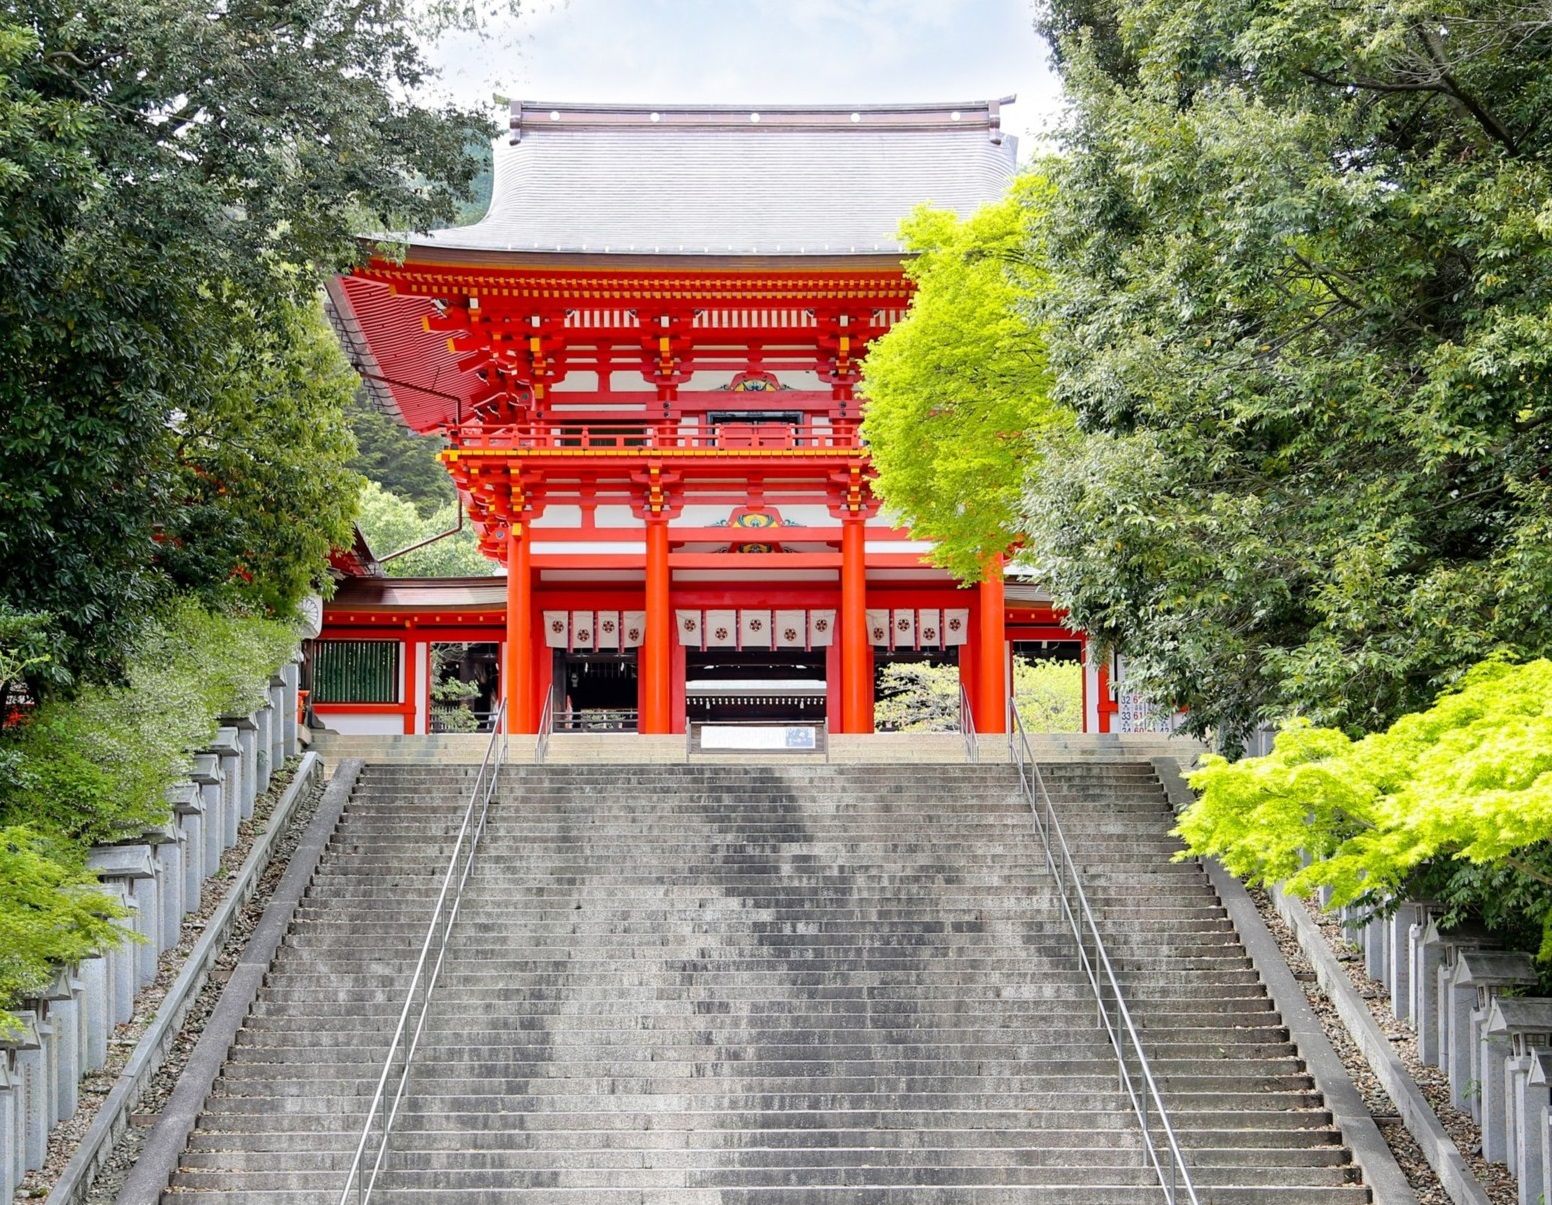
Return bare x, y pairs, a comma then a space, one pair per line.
355, 671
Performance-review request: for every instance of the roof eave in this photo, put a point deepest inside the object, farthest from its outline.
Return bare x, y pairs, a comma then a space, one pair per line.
447, 255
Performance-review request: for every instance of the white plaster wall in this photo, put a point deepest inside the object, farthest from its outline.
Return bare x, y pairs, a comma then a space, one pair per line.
558, 516
422, 693
617, 516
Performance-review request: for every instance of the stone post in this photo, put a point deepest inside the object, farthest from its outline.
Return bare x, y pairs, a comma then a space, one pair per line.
132, 868
32, 1098
8, 1162
166, 842
247, 730
1439, 952
64, 1018
265, 718
1376, 957
1488, 973
291, 675
212, 785
277, 735
96, 1013
1408, 914
1534, 1131
121, 959
188, 809
1520, 1027
226, 747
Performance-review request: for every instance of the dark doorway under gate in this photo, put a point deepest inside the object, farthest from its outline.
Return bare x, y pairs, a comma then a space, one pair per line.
754, 686
595, 692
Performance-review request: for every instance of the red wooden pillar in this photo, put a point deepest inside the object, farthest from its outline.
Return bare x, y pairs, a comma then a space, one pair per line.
856, 658
1105, 707
656, 649
522, 717
991, 671
411, 682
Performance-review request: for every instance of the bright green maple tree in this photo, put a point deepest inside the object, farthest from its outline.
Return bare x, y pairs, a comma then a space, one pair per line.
1453, 802
958, 392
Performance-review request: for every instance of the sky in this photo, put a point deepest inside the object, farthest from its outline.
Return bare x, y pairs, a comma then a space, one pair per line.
762, 51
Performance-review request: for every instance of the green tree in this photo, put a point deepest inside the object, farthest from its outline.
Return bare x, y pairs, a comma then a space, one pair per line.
258, 490
391, 523
1049, 694
917, 696
958, 391
1451, 803
400, 461
1300, 298
175, 180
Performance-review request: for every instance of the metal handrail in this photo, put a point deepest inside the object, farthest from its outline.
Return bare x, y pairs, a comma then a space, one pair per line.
1141, 1089
967, 726
546, 726
362, 1180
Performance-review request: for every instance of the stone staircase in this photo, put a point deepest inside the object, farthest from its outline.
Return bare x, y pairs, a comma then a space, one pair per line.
757, 985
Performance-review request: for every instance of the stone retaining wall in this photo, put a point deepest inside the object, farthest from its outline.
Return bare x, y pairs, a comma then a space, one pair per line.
158, 877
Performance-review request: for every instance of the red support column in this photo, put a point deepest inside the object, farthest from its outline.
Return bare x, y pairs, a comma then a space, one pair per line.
856, 658
656, 649
522, 717
991, 671
411, 682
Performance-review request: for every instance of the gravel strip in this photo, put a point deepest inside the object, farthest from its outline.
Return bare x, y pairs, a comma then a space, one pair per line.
121, 1044
1495, 1177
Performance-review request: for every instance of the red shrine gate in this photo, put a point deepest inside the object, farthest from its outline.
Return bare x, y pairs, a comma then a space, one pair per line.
644, 360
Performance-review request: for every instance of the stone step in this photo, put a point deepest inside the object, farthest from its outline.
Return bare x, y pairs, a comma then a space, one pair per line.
1131, 1173
1319, 1144
1048, 1193
761, 985
753, 1155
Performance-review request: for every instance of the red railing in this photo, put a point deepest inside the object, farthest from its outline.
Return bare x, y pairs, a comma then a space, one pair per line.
656, 437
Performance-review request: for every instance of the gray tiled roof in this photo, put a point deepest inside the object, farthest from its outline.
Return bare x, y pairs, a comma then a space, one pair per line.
698, 181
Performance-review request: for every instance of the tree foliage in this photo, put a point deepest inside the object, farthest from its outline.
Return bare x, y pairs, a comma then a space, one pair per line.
92, 767
50, 914
919, 696
958, 391
1300, 298
390, 523
1453, 802
174, 182
96, 767
403, 463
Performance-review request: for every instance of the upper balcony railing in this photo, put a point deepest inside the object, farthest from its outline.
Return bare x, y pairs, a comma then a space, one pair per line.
664, 437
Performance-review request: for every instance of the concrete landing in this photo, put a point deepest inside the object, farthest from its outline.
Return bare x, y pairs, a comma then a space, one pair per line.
628, 748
